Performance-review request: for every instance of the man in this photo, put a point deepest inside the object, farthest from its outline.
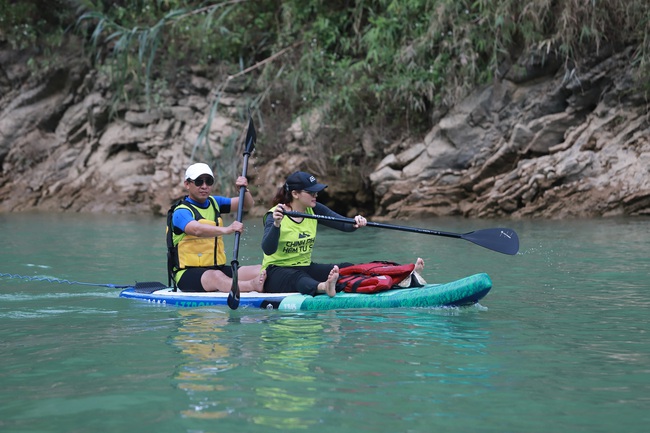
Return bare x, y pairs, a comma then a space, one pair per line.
195, 231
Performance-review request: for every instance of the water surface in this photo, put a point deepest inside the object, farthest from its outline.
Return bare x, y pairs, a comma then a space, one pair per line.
559, 344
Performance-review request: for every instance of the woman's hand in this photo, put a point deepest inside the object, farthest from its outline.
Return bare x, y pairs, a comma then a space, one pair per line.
360, 221
278, 214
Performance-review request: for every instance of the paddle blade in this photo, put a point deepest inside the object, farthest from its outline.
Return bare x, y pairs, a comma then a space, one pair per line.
233, 296
501, 240
251, 137
233, 301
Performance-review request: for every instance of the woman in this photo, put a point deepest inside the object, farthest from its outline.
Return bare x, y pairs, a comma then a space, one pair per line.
288, 241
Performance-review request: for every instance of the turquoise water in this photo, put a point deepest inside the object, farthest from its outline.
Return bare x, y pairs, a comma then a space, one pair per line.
559, 344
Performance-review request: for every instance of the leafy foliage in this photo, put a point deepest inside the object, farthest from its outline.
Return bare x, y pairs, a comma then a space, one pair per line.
24, 23
389, 62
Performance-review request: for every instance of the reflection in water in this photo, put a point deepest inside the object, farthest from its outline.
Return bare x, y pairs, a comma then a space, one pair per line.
220, 366
198, 338
293, 345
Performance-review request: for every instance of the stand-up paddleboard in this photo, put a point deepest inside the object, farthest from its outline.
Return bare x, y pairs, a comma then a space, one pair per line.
465, 291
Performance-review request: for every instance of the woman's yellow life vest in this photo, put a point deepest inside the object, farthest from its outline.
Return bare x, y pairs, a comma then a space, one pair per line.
295, 244
187, 251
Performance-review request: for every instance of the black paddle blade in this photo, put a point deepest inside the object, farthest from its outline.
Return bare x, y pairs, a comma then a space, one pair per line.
251, 137
233, 296
501, 240
149, 286
233, 300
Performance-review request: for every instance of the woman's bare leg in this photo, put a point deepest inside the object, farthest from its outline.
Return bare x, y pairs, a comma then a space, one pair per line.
251, 278
255, 284
329, 286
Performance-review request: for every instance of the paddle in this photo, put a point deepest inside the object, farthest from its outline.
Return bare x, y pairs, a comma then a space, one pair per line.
501, 240
251, 137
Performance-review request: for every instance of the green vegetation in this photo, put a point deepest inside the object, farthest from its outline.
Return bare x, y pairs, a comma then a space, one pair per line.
382, 62
24, 23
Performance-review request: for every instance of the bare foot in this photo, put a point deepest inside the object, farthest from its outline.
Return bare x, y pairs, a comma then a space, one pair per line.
329, 286
419, 265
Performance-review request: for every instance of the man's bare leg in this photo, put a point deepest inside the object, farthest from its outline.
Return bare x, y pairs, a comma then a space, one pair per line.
249, 279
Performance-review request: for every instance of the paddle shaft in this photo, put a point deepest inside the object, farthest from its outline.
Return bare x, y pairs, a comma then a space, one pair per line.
373, 224
501, 240
240, 209
233, 296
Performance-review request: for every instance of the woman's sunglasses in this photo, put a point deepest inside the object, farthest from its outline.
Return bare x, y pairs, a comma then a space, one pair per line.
199, 182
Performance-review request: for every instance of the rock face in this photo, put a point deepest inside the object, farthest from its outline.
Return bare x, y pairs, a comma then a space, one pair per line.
560, 146
62, 150
539, 144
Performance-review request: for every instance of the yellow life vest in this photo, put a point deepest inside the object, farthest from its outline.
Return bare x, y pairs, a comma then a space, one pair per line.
295, 243
187, 251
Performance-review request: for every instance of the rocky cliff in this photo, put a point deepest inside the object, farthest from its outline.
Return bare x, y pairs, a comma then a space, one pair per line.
542, 141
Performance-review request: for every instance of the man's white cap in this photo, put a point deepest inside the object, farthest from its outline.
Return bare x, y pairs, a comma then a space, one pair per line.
196, 170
